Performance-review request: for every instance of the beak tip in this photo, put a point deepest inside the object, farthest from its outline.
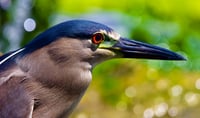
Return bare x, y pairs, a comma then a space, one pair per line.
175, 57
181, 58
178, 57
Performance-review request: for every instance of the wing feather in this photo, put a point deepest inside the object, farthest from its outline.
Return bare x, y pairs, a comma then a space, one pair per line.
15, 102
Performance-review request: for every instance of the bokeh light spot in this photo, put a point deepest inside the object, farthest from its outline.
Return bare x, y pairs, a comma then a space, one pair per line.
130, 92
161, 109
162, 84
176, 90
82, 115
173, 111
197, 84
148, 113
191, 99
5, 4
29, 24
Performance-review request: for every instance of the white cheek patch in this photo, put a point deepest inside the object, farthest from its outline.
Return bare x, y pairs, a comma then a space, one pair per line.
114, 35
111, 34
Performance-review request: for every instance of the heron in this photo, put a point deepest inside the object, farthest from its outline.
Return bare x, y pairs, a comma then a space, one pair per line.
47, 77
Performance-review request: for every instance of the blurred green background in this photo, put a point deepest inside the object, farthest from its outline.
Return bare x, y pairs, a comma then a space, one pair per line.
123, 88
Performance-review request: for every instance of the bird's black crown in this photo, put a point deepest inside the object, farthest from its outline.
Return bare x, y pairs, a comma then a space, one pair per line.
80, 29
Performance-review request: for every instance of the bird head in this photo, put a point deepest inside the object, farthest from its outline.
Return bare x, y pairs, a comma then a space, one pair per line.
103, 42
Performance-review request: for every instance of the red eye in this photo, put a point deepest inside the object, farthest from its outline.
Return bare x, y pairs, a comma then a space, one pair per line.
97, 38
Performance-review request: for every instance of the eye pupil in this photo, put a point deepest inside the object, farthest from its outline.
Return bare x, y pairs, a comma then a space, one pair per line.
97, 38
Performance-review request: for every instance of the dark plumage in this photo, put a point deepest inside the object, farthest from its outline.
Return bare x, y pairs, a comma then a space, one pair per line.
47, 77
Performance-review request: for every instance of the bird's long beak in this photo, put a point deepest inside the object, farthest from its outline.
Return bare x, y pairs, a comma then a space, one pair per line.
134, 49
